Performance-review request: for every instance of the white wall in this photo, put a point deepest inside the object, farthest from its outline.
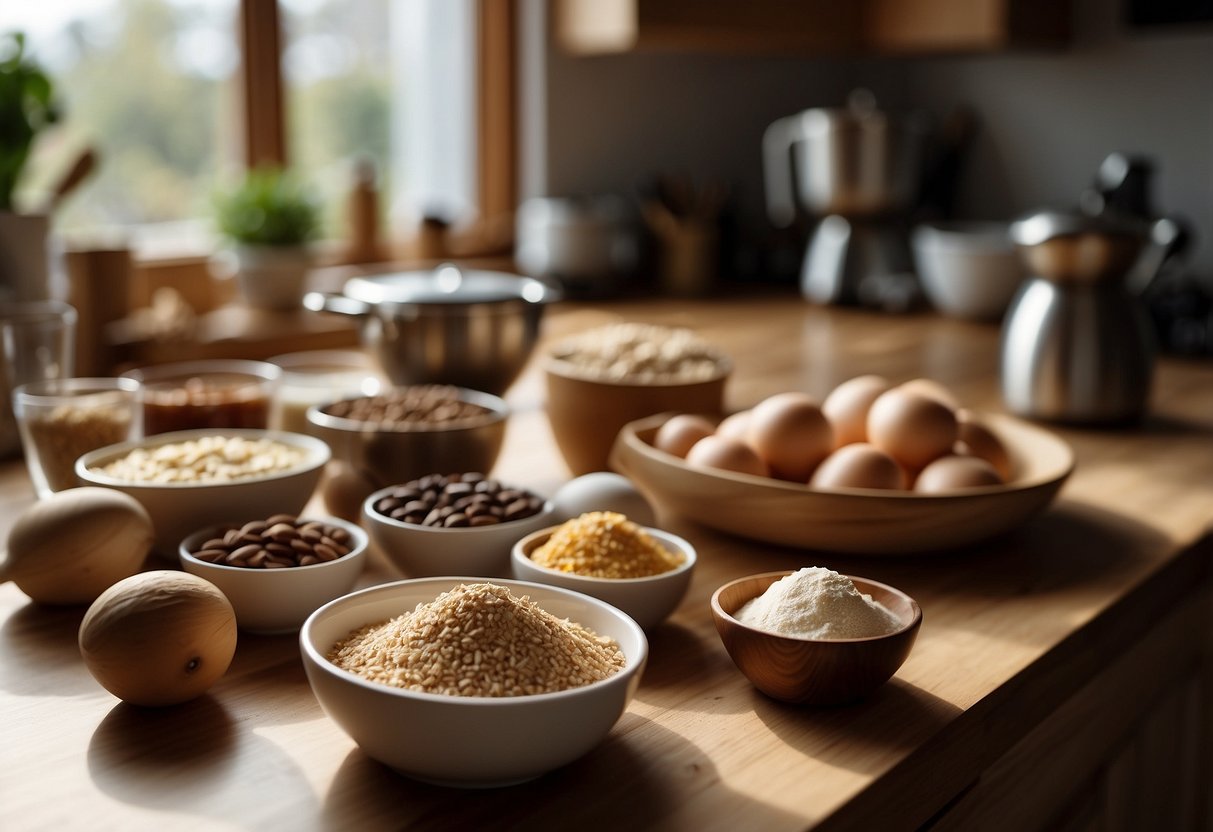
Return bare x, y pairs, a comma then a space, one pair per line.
1048, 118
608, 123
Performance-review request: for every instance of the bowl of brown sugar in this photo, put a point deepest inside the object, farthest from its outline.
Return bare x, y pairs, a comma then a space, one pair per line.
643, 571
471, 683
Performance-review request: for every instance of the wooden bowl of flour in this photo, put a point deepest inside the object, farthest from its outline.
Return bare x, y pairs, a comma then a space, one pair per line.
814, 671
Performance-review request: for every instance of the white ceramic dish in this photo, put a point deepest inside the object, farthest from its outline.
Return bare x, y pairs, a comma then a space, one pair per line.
648, 600
180, 509
431, 551
968, 269
271, 601
468, 741
863, 521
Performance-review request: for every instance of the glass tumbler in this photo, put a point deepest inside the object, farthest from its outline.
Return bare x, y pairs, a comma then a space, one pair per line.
318, 377
218, 393
63, 419
37, 342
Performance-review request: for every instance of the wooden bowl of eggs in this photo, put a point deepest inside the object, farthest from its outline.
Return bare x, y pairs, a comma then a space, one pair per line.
876, 469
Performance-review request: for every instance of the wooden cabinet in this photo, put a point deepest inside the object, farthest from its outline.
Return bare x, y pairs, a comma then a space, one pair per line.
815, 27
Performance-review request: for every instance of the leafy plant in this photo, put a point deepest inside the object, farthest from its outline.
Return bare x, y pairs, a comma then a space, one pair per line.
27, 106
270, 208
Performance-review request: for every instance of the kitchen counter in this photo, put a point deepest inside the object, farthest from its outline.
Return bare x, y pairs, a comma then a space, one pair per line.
1061, 677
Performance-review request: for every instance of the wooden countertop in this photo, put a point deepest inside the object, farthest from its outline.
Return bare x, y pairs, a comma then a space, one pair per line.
1012, 631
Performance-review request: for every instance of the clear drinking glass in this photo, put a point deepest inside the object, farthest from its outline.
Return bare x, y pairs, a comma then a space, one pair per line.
218, 393
319, 377
37, 343
62, 419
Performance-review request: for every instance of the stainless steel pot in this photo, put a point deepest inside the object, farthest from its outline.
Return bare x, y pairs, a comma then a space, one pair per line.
473, 329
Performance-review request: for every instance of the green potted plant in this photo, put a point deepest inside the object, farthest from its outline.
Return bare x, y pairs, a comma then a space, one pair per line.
27, 107
270, 219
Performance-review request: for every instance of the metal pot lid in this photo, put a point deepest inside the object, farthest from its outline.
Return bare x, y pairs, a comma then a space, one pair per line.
1042, 226
449, 285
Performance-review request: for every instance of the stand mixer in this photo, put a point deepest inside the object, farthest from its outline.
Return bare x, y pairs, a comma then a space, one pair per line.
857, 169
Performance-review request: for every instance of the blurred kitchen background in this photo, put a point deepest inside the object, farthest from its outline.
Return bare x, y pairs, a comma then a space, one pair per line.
630, 132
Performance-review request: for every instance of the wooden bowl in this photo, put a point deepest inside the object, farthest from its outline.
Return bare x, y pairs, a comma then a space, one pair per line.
814, 671
856, 520
586, 413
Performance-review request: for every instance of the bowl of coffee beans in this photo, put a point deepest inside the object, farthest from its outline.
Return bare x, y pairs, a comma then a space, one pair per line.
404, 433
278, 570
453, 524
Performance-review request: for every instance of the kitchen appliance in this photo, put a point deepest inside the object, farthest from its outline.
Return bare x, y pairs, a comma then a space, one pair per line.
857, 169
1076, 344
589, 245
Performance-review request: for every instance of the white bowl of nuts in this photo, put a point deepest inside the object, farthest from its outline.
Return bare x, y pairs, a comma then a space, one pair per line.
192, 479
645, 572
453, 524
277, 571
418, 673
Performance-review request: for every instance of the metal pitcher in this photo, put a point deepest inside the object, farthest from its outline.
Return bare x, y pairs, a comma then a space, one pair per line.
1076, 343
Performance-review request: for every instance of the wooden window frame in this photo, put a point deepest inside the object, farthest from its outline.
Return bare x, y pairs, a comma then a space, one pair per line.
264, 112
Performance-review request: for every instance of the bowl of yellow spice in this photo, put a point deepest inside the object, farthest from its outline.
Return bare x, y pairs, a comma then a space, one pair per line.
642, 571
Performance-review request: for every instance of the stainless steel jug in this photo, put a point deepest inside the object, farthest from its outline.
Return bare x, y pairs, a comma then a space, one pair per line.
1076, 343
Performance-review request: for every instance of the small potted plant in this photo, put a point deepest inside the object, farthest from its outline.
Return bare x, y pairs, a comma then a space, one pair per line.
270, 218
27, 106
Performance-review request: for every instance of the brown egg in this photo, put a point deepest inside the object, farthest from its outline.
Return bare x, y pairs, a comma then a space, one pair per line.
911, 428
955, 473
858, 465
735, 426
976, 439
847, 407
681, 432
726, 454
791, 435
932, 390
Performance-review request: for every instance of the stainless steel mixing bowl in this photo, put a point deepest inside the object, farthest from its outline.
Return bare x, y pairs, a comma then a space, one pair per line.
473, 329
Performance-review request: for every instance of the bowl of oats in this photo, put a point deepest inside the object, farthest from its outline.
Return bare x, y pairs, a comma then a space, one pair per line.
603, 378
191, 479
473, 683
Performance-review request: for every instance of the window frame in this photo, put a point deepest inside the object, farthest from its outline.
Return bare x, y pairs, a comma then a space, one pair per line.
263, 110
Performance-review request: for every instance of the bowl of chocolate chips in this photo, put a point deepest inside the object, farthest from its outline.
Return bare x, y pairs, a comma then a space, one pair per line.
453, 524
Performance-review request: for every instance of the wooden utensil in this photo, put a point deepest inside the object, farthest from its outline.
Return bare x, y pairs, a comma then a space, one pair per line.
80, 170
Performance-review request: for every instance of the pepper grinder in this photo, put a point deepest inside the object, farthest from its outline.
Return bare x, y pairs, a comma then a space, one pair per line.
1076, 345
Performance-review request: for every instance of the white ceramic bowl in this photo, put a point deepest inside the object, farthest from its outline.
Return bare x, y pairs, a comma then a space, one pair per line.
968, 269
468, 741
648, 600
180, 509
278, 600
431, 551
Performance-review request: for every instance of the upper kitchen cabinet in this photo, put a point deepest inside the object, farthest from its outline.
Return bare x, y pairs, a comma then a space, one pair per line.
814, 27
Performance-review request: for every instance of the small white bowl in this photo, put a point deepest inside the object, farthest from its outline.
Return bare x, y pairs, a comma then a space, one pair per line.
269, 601
968, 269
430, 551
648, 600
468, 741
179, 509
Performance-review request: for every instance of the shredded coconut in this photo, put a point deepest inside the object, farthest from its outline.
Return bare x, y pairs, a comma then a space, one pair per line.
818, 603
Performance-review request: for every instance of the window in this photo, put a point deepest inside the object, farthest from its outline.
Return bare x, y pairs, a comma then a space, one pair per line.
150, 85
178, 95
